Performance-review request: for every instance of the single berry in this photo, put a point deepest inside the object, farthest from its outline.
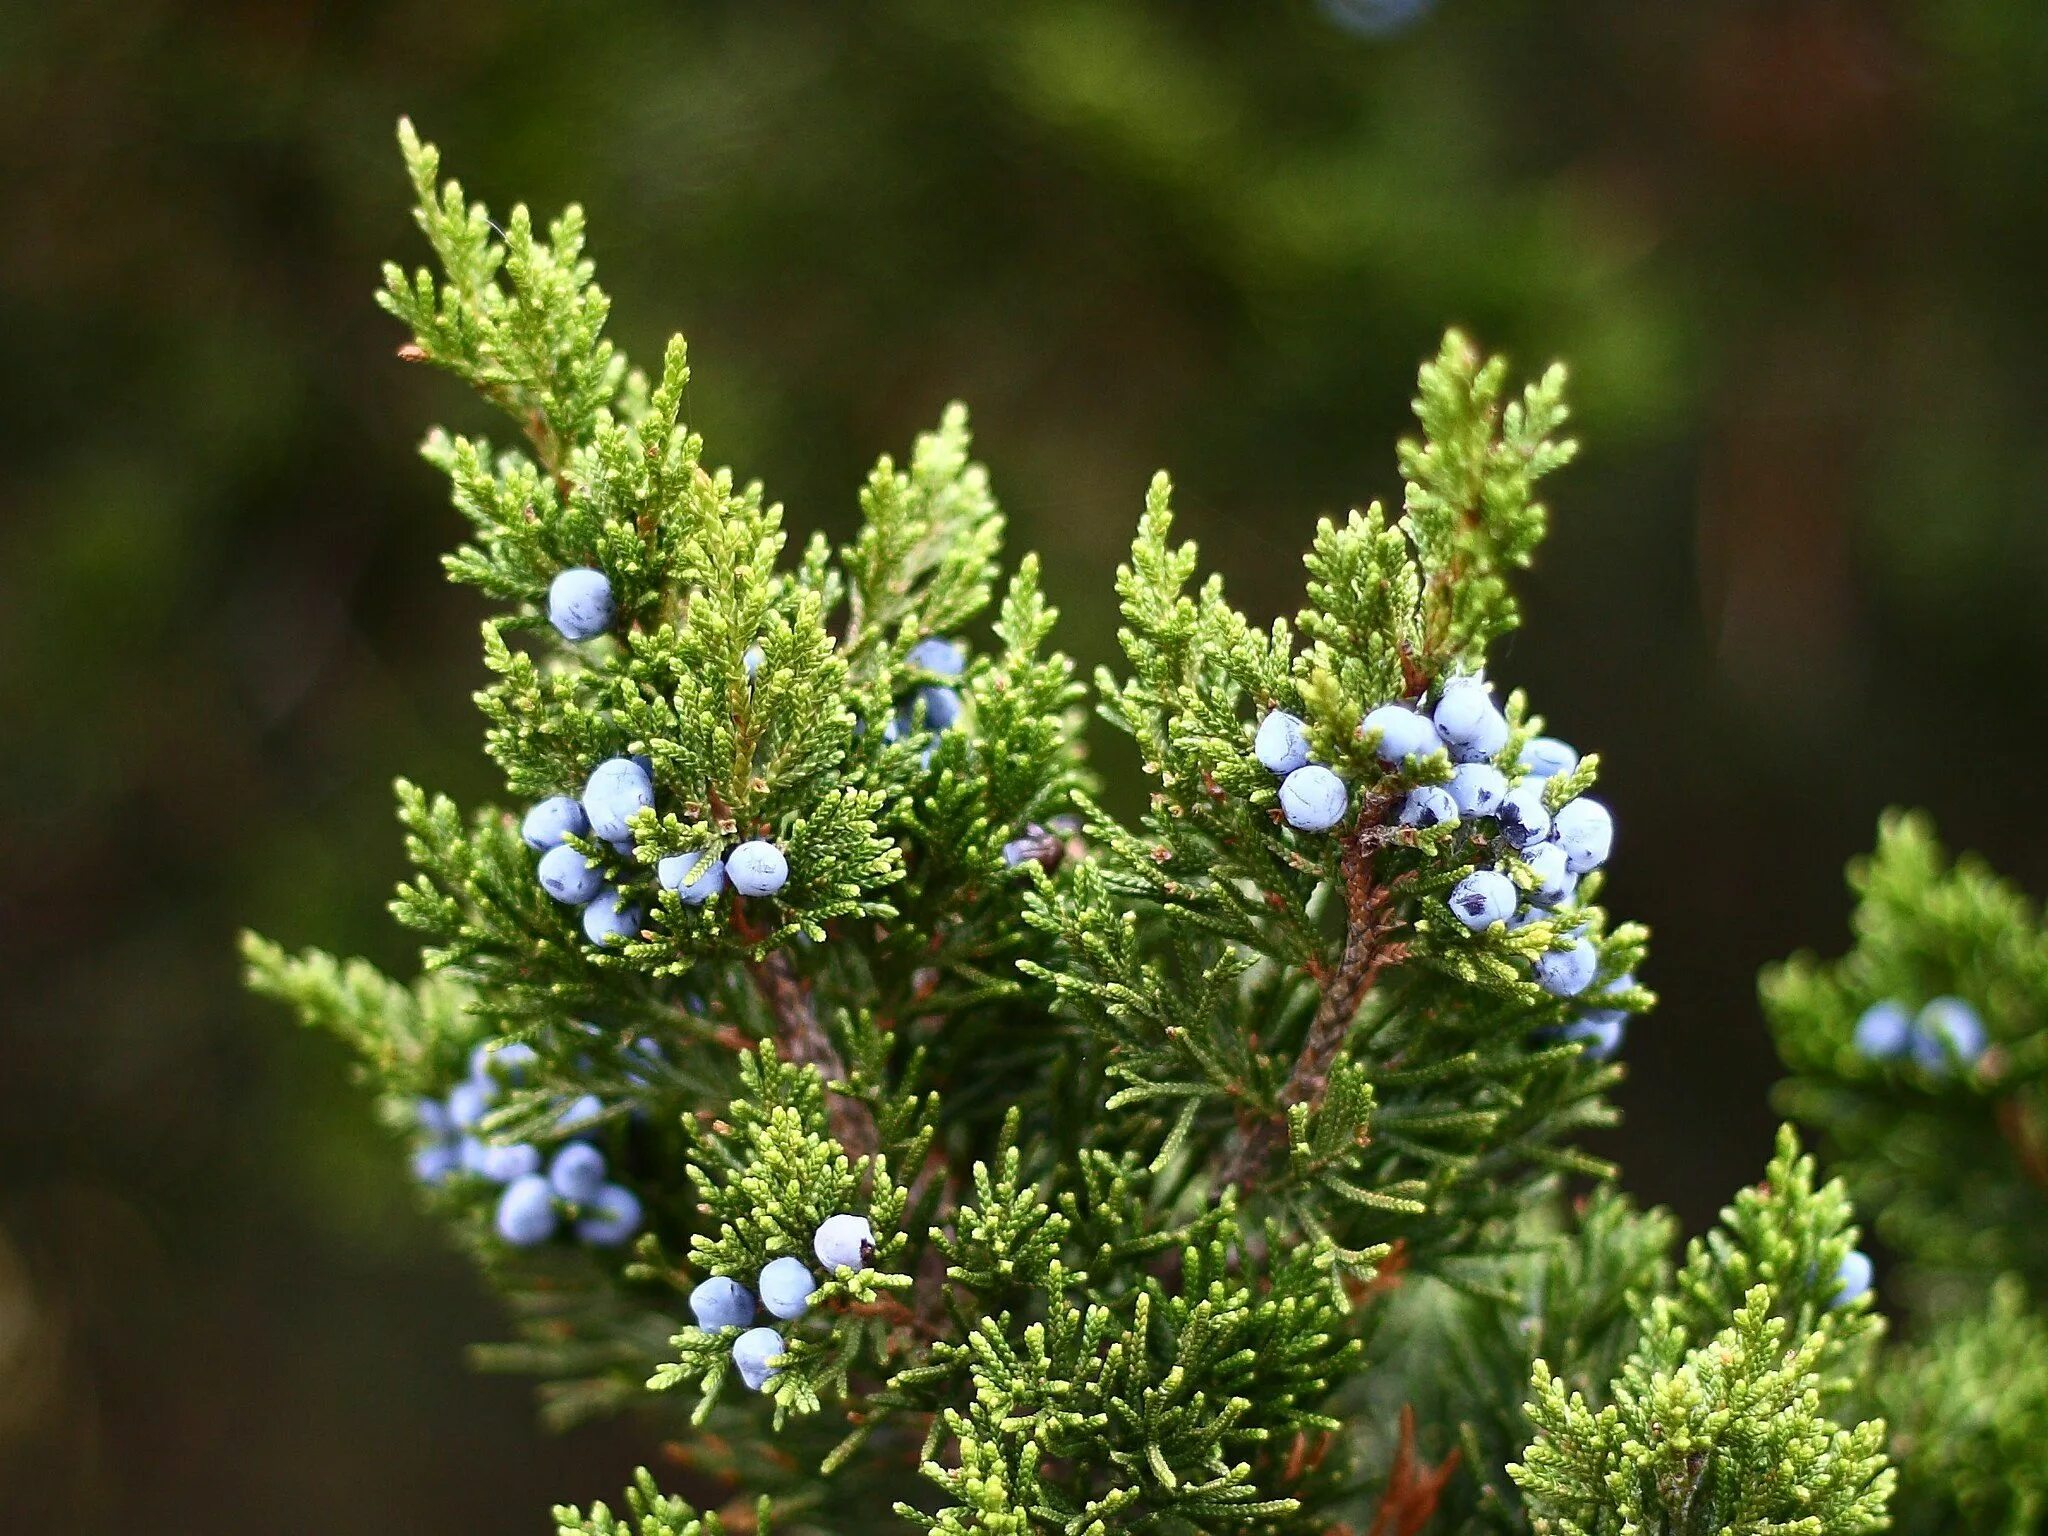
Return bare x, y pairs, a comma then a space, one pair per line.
1403, 733
1429, 805
431, 1115
552, 820
752, 660
757, 868
1040, 846
580, 603
696, 876
1523, 820
1601, 1031
752, 1351
1469, 722
474, 1153
721, 1303
526, 1212
1477, 788
433, 1163
613, 1215
1554, 880
939, 655
1313, 799
844, 1242
503, 1165
1545, 757
496, 1059
608, 920
469, 1102
1282, 742
941, 707
1854, 1278
568, 876
1585, 830
785, 1286
577, 1172
1947, 1025
618, 788
1567, 972
587, 1109
1884, 1031
1483, 898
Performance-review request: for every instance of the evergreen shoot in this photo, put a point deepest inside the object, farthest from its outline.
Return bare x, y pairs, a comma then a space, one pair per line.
829, 1080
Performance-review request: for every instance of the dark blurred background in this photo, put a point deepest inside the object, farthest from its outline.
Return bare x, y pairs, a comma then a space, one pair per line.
1794, 251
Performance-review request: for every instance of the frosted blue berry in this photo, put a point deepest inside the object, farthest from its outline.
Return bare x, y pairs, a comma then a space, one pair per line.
1946, 1026
433, 1163
609, 920
1884, 1031
577, 1173
1282, 742
1429, 805
469, 1102
1554, 880
721, 1303
1524, 821
1600, 1032
474, 1153
1469, 722
752, 660
431, 1115
844, 1242
1403, 733
752, 1351
526, 1212
1477, 788
1853, 1278
503, 1165
1313, 799
568, 876
757, 868
941, 707
611, 1216
696, 876
1545, 757
945, 657
507, 1060
584, 1110
1567, 972
786, 1287
580, 603
1483, 898
552, 820
1585, 830
618, 788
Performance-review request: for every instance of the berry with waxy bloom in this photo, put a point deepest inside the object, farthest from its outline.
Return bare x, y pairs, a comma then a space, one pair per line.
1281, 744
752, 1351
552, 820
617, 790
721, 1303
757, 868
1313, 799
526, 1212
580, 603
785, 1287
844, 1242
1483, 898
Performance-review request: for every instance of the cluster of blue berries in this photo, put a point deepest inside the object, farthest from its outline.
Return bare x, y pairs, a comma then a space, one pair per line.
604, 1213
942, 658
1946, 1030
619, 789
1556, 847
785, 1286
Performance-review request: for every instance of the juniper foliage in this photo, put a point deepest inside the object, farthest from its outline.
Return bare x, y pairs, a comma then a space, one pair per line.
1220, 1178
1947, 1148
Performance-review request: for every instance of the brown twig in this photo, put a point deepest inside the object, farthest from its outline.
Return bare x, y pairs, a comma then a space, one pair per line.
1413, 1486
802, 1039
1368, 905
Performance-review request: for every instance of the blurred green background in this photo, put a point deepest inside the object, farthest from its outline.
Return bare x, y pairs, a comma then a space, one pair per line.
1795, 252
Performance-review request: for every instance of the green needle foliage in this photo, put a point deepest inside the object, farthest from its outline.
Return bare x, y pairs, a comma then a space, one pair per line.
1946, 1146
1219, 1177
